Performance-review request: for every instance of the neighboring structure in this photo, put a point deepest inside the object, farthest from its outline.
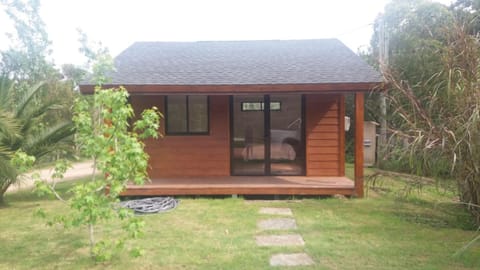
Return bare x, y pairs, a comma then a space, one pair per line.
248, 117
369, 143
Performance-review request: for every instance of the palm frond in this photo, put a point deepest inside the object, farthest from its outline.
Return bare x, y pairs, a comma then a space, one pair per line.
29, 118
5, 152
23, 126
27, 97
9, 127
6, 87
41, 110
45, 141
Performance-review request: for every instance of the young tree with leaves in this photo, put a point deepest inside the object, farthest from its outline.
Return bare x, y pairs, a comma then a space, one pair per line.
104, 135
107, 134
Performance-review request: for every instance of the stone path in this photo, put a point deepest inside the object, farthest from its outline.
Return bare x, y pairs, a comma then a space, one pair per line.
277, 224
283, 240
276, 211
291, 259
280, 240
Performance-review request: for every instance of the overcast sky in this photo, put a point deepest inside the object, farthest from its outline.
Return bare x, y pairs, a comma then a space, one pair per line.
117, 24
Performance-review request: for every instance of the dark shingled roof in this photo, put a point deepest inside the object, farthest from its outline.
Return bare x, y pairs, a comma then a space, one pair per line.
241, 63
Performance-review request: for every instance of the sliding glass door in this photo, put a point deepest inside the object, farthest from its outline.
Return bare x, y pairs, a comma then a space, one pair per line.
267, 135
286, 135
248, 130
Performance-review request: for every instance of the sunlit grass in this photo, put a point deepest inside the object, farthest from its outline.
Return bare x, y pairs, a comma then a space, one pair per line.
386, 230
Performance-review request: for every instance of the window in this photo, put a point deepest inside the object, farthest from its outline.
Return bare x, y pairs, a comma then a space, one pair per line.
186, 115
253, 106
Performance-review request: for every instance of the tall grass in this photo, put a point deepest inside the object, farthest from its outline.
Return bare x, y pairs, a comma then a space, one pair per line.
437, 128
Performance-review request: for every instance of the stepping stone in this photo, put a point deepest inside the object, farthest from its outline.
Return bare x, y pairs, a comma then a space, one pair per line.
277, 224
294, 259
276, 211
279, 240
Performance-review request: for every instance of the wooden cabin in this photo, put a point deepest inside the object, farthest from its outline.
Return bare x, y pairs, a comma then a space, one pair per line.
248, 117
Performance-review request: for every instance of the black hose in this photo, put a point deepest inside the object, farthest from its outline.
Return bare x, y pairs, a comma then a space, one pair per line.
151, 205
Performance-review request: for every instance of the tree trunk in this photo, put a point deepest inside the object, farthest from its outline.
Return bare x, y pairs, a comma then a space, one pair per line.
2, 194
92, 239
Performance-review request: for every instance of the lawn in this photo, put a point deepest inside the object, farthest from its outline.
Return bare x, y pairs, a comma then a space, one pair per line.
386, 230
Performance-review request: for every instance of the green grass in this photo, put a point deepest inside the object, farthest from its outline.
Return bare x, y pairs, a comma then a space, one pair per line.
386, 230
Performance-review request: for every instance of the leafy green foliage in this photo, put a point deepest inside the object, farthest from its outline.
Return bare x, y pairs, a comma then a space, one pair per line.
73, 74
99, 60
34, 105
103, 134
417, 31
22, 128
22, 162
434, 94
25, 60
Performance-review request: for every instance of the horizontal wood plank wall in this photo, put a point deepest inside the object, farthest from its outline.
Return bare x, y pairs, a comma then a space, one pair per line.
190, 155
324, 141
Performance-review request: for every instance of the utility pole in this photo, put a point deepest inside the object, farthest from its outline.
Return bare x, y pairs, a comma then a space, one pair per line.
383, 55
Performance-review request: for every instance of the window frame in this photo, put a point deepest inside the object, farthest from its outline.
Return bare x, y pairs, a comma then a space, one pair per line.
262, 106
188, 132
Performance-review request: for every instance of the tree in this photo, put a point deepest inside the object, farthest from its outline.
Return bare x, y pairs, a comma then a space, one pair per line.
32, 118
435, 95
103, 135
25, 60
22, 129
468, 11
73, 74
418, 37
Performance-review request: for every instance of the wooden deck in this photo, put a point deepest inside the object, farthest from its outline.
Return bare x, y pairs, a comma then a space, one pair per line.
248, 185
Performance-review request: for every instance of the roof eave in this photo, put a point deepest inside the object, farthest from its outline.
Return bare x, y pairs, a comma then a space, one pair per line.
144, 89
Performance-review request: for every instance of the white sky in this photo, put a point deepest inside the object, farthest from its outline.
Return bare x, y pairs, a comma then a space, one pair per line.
117, 24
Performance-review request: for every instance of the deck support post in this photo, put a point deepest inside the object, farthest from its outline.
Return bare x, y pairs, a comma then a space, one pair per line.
359, 118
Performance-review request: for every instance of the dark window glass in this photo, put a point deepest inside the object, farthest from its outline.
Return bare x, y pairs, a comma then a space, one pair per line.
177, 114
197, 114
186, 114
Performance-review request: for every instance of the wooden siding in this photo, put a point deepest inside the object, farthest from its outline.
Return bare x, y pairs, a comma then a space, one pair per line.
209, 155
324, 132
189, 155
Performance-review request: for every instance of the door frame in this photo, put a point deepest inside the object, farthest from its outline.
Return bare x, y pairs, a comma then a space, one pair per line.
267, 135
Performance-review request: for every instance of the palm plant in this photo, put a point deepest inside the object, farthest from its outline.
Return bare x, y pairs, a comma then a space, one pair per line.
22, 128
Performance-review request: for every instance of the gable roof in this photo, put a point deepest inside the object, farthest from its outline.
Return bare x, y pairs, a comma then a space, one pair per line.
266, 62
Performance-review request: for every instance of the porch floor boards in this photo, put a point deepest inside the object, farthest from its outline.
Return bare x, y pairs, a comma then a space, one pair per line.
247, 185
